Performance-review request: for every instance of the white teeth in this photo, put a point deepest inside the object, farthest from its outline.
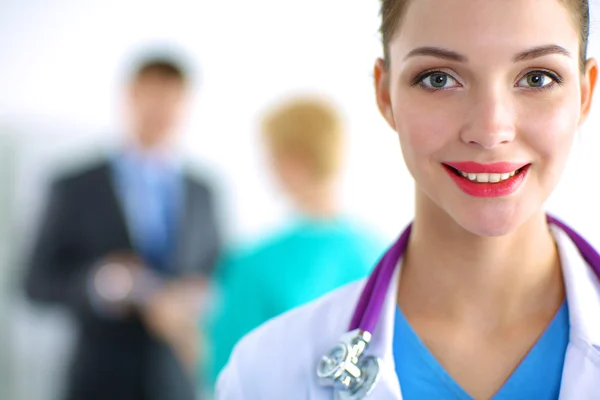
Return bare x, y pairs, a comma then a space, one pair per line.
494, 178
485, 178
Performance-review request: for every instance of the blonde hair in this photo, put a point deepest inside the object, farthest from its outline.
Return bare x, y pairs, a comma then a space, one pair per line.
308, 128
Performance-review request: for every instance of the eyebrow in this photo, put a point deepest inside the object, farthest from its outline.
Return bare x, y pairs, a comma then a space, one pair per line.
436, 52
541, 51
530, 54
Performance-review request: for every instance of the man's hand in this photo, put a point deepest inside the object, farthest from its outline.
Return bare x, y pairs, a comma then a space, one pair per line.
171, 313
114, 282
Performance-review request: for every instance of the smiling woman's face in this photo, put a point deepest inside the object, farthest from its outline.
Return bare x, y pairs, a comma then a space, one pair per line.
486, 97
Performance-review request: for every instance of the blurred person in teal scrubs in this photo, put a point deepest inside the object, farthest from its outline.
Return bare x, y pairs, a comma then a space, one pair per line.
320, 249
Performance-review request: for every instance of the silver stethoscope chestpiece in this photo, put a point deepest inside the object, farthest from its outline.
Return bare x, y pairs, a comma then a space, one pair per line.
352, 375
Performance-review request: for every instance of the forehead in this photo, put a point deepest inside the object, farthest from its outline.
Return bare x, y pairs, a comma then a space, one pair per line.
472, 26
157, 79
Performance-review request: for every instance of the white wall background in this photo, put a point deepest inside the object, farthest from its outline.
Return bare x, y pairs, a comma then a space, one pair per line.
59, 73
65, 60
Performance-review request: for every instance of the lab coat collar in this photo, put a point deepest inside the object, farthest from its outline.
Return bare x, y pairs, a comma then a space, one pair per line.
583, 298
582, 288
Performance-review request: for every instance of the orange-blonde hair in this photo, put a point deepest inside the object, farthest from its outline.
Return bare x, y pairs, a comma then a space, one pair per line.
308, 128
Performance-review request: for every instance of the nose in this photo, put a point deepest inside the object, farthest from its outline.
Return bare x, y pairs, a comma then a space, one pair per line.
490, 120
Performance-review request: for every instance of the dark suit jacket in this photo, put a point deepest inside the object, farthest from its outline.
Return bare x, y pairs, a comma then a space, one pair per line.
115, 359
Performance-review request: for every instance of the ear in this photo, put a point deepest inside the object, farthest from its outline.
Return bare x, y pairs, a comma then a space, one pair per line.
382, 91
588, 84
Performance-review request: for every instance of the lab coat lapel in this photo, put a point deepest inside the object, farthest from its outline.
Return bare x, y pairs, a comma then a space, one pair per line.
382, 345
581, 372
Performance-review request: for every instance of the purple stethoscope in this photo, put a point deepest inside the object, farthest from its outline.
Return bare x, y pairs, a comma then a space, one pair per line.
352, 374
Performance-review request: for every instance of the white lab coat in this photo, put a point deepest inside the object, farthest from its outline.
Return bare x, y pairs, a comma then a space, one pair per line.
278, 360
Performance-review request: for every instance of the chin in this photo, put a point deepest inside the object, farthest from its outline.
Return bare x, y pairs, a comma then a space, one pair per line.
488, 228
490, 221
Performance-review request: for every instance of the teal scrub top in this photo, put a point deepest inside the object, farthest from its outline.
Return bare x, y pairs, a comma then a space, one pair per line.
298, 265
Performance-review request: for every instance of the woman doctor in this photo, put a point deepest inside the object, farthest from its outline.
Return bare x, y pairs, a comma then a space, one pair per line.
487, 297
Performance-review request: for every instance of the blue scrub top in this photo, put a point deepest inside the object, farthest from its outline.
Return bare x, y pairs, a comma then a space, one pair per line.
538, 376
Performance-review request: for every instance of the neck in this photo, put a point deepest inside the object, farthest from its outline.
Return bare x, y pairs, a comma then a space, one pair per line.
143, 146
479, 280
317, 202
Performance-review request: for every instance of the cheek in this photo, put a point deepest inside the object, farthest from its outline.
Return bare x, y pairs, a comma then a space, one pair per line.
425, 128
548, 129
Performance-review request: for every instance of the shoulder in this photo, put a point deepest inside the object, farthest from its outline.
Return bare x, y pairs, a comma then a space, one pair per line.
288, 347
198, 183
199, 175
265, 245
363, 243
360, 231
252, 264
88, 173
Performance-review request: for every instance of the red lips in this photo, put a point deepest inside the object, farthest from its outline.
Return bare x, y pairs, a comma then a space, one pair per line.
487, 189
494, 168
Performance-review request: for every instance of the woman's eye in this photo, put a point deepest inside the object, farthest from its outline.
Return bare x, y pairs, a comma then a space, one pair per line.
537, 79
439, 80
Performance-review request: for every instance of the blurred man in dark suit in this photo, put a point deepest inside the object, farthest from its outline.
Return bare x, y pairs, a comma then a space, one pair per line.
126, 244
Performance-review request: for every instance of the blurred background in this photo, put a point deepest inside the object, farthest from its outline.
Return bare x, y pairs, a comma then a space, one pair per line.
64, 66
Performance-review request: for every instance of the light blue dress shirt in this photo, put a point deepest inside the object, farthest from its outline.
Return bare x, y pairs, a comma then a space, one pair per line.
150, 190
